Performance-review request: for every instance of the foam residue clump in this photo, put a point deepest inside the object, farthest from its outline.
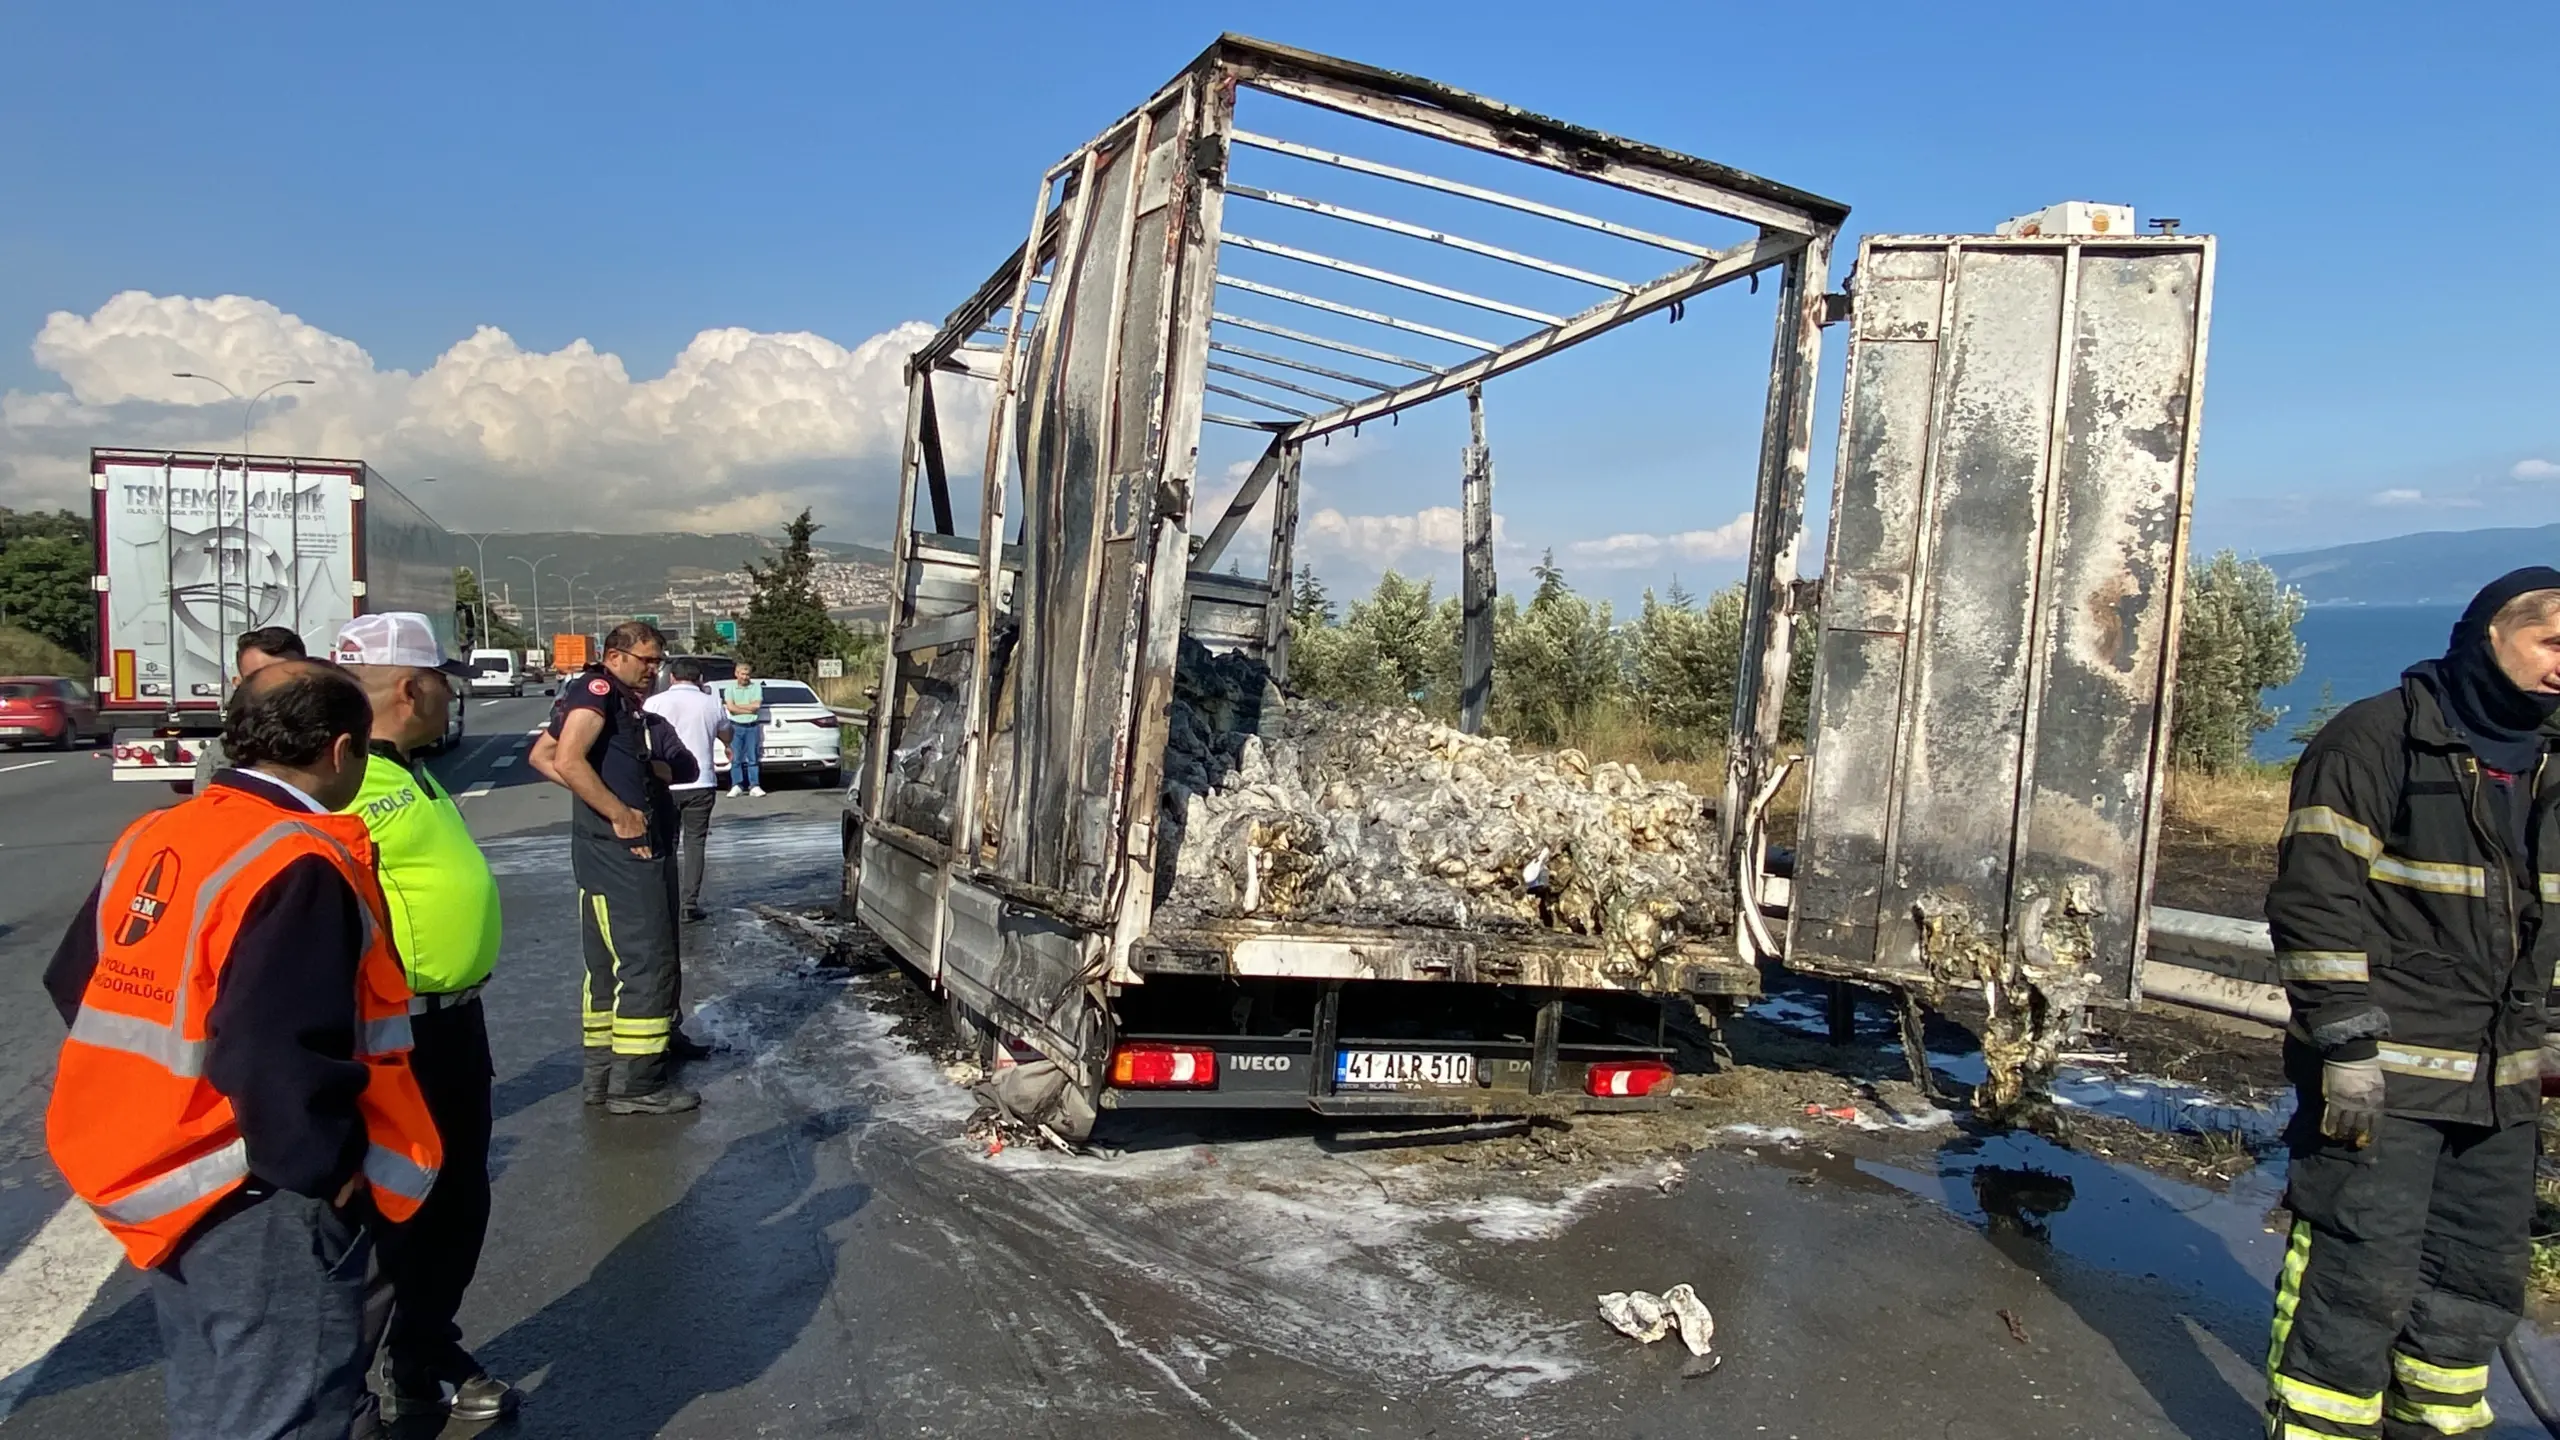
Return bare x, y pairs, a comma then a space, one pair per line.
1290, 809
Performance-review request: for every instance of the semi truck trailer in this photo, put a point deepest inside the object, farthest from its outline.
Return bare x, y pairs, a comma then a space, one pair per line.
195, 550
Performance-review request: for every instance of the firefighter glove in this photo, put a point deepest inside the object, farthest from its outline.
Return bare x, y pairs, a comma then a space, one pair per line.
2352, 1092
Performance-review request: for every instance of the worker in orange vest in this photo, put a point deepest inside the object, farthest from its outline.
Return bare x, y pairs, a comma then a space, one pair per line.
235, 1099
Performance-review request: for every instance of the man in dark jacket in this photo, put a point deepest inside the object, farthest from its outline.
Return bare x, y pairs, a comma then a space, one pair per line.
2419, 857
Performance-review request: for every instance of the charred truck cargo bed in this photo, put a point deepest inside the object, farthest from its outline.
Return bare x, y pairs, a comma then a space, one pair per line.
1092, 814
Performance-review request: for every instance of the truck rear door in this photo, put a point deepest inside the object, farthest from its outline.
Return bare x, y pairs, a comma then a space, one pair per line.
1107, 446
1990, 714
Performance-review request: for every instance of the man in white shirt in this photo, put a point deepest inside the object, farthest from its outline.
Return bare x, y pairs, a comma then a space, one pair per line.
697, 718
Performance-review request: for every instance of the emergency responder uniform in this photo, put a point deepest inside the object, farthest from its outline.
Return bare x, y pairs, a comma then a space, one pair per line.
210, 968
626, 902
2407, 916
443, 905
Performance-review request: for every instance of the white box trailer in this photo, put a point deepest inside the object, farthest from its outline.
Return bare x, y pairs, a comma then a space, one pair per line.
1999, 616
195, 550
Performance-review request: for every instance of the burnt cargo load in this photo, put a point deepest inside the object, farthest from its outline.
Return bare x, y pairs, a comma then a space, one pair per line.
196, 550
1279, 809
1092, 815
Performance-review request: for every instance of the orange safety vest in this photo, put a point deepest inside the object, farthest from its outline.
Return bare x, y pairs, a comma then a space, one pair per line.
134, 1125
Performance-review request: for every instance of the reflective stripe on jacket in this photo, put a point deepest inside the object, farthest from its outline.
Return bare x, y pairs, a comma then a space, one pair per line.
2404, 926
436, 885
134, 1125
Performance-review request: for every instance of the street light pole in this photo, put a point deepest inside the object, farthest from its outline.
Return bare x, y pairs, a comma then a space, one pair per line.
533, 567
480, 581
573, 596
221, 587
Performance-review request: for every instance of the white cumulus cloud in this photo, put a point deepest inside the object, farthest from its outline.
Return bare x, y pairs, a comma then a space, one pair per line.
1637, 551
2536, 469
742, 429
1381, 541
2399, 497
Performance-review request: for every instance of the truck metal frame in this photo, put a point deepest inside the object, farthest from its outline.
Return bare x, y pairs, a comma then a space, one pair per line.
1003, 839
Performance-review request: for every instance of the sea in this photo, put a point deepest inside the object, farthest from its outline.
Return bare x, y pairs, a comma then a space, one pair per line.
2356, 650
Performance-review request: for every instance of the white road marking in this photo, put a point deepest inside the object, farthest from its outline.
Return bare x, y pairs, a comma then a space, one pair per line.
46, 1286
480, 789
23, 765
485, 704
503, 762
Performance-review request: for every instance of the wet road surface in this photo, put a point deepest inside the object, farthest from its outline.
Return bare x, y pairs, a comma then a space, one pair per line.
820, 1252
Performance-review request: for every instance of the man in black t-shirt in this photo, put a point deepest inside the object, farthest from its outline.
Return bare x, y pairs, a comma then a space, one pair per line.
600, 749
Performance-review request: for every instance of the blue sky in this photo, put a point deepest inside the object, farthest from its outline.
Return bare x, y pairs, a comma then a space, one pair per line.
632, 176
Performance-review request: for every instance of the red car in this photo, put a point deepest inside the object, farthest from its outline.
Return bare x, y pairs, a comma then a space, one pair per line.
47, 710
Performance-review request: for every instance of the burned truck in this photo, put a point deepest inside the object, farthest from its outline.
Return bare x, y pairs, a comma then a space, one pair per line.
1093, 815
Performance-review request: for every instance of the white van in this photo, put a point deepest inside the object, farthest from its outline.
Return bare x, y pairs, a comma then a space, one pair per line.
495, 672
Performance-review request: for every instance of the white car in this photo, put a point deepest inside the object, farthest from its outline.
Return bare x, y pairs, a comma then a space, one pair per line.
801, 735
495, 672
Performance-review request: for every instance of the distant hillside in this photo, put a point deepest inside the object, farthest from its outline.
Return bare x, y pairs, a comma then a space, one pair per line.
635, 572
2439, 567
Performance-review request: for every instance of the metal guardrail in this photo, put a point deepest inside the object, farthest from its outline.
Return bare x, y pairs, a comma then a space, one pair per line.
2214, 962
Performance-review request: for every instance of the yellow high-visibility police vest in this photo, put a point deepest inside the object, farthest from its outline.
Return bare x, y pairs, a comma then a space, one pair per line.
435, 882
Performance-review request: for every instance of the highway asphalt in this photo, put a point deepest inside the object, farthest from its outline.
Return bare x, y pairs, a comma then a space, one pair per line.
821, 1252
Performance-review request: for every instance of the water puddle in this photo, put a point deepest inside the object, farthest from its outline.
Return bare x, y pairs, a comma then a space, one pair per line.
2036, 1199
2155, 1103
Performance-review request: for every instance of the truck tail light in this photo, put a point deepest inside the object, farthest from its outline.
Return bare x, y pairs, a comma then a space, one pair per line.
1163, 1067
1626, 1077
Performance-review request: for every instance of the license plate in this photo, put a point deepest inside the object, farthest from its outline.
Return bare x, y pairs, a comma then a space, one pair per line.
1396, 1069
785, 752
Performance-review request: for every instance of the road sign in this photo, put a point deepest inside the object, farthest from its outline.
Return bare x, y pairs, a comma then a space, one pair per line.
831, 669
646, 619
728, 630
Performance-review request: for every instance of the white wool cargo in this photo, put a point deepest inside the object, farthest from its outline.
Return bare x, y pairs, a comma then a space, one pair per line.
1383, 817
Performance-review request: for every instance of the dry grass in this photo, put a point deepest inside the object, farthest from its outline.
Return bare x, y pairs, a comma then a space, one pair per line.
2546, 1236
2218, 845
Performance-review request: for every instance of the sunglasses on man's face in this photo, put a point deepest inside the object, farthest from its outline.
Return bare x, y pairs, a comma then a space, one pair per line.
643, 659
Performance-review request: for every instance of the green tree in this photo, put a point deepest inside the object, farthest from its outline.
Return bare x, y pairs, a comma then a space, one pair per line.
1683, 662
44, 587
1558, 664
17, 525
2237, 642
707, 639
786, 628
1309, 606
503, 633
2323, 710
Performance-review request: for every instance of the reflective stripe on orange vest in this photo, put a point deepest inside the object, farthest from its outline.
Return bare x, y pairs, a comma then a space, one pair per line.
134, 1124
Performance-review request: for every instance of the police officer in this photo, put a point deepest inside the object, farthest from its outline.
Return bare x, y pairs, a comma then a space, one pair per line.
444, 920
623, 857
2414, 908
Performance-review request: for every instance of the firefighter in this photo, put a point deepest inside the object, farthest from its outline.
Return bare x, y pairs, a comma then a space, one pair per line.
2419, 857
623, 857
443, 906
235, 1099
